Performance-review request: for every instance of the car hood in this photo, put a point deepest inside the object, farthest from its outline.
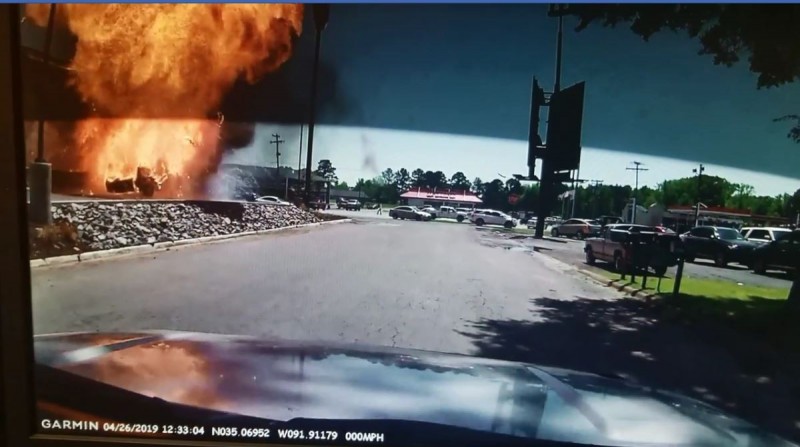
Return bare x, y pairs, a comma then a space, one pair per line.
744, 243
281, 380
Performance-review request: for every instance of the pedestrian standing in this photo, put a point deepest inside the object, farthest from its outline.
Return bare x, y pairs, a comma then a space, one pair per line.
380, 209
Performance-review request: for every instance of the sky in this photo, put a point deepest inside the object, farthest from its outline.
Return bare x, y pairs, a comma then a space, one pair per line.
447, 87
366, 152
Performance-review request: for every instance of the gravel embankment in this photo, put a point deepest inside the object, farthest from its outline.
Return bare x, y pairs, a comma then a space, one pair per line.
106, 225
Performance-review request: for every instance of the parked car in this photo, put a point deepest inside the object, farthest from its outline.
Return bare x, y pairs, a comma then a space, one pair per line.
609, 220
430, 210
663, 229
782, 254
580, 228
764, 235
448, 212
352, 205
408, 212
272, 200
720, 244
613, 246
492, 217
341, 202
317, 204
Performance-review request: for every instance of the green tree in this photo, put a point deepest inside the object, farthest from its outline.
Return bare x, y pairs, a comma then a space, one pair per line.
741, 197
433, 179
478, 187
513, 186
793, 205
766, 35
388, 175
460, 181
326, 170
495, 195
418, 177
402, 179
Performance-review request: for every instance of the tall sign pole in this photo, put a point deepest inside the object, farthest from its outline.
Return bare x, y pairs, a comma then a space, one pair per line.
321, 14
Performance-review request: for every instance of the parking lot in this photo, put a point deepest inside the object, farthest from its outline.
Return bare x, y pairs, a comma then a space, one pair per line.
571, 252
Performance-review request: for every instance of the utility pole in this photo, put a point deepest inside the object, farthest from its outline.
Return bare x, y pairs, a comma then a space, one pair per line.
300, 155
699, 171
638, 168
277, 142
576, 180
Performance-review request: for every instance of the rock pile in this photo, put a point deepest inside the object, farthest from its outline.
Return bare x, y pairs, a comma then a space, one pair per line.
106, 225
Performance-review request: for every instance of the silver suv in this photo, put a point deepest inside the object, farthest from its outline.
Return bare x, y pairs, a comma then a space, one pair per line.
492, 217
764, 235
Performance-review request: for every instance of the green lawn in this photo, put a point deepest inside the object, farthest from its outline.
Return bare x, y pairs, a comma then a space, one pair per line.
708, 288
760, 313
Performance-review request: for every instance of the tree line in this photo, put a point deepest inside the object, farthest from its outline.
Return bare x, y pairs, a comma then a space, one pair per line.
590, 200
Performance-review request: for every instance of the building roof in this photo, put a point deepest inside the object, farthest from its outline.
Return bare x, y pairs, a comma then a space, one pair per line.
444, 195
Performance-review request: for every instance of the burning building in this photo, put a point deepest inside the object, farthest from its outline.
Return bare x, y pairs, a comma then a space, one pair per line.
133, 102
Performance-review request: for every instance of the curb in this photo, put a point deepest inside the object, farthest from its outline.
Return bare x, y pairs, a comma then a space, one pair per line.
632, 291
165, 246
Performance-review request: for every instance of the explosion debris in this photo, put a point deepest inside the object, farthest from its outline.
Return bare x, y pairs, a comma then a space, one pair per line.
154, 75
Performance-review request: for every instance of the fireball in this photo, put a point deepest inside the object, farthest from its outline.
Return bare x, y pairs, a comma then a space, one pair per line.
160, 71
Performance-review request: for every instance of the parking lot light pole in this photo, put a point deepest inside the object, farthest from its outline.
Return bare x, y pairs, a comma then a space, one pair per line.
41, 172
699, 171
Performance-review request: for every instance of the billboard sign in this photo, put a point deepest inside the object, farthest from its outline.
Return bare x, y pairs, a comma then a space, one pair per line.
564, 128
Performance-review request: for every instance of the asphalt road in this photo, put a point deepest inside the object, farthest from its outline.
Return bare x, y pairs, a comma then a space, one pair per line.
427, 285
410, 284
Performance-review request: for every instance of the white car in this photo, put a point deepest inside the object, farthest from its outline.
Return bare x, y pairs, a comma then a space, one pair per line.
430, 210
492, 217
448, 212
764, 235
272, 200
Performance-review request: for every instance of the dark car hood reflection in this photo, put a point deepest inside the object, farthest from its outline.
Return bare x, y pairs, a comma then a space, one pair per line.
285, 380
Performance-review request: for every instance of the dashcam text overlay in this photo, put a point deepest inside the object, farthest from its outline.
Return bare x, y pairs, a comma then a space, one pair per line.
200, 431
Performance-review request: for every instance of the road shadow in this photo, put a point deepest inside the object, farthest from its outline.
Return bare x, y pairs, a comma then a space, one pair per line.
740, 356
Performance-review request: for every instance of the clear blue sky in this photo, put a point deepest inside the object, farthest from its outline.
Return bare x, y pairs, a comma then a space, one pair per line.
446, 87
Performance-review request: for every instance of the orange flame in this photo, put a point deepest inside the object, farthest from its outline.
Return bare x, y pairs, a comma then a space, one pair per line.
163, 69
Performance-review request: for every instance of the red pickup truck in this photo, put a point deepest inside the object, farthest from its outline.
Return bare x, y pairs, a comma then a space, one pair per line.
615, 245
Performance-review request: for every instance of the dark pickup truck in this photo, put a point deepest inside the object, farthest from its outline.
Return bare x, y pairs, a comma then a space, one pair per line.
619, 244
